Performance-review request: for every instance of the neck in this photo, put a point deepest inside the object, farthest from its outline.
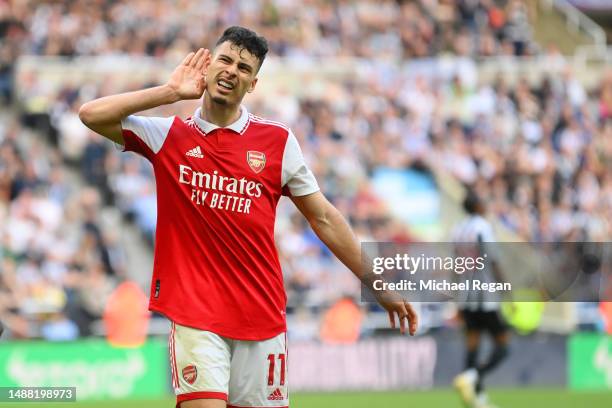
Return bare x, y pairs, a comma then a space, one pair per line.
218, 114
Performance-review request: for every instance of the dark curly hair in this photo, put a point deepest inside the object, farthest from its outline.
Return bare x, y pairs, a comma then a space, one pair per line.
246, 39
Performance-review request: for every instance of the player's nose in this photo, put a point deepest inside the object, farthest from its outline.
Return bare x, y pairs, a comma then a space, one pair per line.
232, 70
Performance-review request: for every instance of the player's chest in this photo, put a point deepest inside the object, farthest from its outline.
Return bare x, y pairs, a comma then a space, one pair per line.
225, 153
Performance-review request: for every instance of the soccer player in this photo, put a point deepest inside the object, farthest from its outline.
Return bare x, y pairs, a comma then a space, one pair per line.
480, 313
219, 176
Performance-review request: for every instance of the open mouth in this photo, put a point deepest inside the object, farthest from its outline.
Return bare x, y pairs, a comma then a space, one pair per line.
226, 85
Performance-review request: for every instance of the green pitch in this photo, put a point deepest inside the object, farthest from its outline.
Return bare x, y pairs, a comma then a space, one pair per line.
510, 398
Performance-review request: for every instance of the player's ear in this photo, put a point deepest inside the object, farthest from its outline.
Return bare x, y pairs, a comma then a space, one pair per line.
252, 86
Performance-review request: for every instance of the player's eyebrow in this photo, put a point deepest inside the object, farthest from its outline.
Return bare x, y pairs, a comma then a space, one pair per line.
226, 57
245, 65
240, 64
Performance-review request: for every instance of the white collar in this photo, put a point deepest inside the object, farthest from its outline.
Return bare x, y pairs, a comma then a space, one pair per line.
239, 126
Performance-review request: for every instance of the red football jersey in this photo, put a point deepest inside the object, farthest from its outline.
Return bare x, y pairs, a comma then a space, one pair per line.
216, 267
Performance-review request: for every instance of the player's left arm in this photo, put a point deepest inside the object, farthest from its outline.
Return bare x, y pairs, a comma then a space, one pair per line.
331, 227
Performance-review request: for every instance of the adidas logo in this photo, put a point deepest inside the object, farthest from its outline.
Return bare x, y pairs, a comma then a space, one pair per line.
276, 395
195, 152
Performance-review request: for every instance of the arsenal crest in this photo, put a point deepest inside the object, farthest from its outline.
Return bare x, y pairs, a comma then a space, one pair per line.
256, 160
190, 373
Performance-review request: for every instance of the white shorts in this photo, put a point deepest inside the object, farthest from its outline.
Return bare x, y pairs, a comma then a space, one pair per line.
243, 373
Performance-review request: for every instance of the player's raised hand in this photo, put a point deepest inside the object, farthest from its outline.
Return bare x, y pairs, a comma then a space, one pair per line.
188, 79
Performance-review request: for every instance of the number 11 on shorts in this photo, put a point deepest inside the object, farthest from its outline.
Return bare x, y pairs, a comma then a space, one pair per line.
271, 361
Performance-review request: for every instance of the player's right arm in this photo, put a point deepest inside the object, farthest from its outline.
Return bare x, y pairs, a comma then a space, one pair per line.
104, 115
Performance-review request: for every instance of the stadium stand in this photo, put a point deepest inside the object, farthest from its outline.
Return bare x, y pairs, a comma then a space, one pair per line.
539, 151
365, 28
58, 263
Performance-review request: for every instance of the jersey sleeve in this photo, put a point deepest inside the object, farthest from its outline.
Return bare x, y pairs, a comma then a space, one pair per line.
296, 179
145, 135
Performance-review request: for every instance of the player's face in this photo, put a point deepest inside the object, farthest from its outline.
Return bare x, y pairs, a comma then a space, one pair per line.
231, 74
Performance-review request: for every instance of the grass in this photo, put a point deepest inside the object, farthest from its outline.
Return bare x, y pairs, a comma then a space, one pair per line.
444, 398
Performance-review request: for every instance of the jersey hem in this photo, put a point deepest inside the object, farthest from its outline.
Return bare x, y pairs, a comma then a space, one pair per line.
221, 332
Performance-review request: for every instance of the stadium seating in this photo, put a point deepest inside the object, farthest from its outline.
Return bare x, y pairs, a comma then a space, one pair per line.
538, 150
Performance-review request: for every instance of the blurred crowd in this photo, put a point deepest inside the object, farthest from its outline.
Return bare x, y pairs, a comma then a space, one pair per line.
387, 29
538, 152
57, 263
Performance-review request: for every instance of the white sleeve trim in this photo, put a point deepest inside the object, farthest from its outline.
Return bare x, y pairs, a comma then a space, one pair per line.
295, 173
151, 130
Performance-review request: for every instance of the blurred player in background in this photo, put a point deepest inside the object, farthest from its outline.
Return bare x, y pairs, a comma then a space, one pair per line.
219, 177
481, 311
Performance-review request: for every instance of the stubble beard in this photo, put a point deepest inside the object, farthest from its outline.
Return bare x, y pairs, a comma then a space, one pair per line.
219, 100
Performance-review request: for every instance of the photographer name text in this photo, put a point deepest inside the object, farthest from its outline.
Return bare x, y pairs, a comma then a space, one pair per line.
443, 285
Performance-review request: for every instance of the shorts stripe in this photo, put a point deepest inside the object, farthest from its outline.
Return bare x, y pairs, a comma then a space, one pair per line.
250, 406
286, 374
200, 395
175, 385
175, 381
170, 355
286, 362
174, 356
